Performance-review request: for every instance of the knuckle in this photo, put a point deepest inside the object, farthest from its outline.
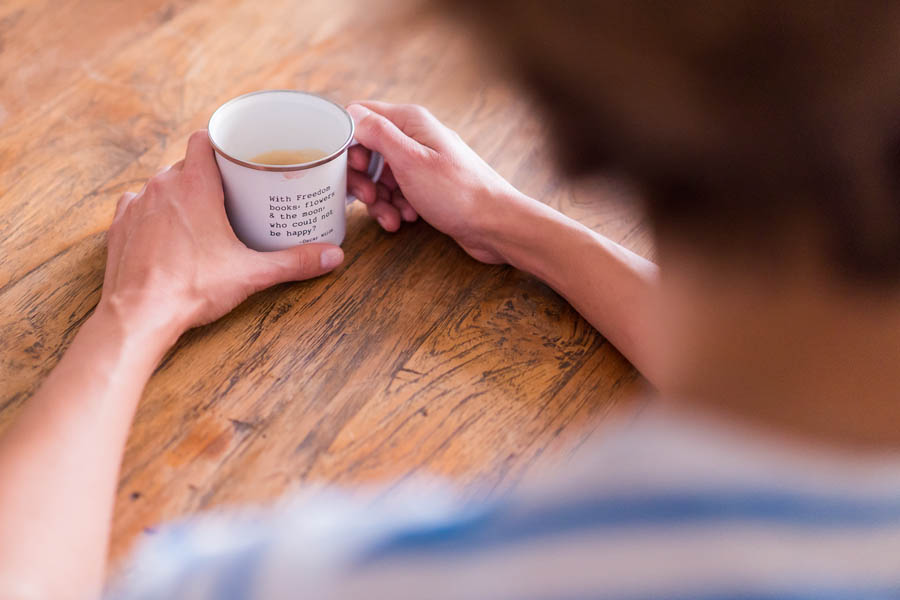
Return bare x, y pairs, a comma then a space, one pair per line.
374, 124
155, 185
116, 229
307, 261
198, 136
368, 189
430, 159
419, 111
122, 202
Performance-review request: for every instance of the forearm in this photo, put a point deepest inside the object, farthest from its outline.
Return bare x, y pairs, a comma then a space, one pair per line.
608, 284
59, 461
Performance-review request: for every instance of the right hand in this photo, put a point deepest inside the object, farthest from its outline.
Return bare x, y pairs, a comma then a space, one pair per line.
173, 259
430, 172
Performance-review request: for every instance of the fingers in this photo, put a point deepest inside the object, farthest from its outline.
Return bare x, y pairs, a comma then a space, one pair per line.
383, 211
387, 178
406, 116
415, 121
387, 216
377, 132
174, 167
199, 154
390, 209
293, 264
403, 206
361, 186
123, 203
358, 158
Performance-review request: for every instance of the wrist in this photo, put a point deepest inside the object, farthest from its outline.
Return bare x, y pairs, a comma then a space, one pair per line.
504, 220
527, 233
153, 330
113, 352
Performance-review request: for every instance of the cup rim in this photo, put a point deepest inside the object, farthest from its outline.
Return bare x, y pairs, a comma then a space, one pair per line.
281, 168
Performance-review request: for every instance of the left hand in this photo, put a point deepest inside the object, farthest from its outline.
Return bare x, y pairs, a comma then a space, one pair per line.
173, 260
429, 172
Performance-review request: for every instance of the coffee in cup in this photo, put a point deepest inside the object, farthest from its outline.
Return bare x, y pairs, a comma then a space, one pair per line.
289, 157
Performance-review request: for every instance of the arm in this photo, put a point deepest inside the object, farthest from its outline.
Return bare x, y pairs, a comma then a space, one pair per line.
611, 286
433, 173
173, 263
59, 461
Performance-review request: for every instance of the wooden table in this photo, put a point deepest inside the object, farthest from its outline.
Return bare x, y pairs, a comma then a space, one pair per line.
411, 358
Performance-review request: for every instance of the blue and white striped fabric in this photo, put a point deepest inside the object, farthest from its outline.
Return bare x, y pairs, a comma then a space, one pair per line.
661, 508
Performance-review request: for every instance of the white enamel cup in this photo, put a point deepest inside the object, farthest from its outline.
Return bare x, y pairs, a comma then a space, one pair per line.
272, 207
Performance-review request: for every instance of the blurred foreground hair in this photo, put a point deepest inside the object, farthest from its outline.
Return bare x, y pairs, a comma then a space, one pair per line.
741, 121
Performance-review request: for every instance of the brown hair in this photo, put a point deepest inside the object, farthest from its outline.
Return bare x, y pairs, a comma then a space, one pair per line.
737, 118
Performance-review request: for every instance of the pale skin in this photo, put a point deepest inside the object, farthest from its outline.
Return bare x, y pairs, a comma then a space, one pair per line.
174, 263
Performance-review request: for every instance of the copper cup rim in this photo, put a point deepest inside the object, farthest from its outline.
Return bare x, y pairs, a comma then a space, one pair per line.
281, 168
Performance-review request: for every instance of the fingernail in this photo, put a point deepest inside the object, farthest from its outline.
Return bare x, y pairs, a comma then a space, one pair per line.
358, 112
382, 221
331, 258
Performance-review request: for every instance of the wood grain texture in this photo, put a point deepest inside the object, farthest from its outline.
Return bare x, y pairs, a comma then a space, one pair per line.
411, 358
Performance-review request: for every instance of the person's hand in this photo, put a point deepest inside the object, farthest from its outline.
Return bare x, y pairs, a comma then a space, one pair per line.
430, 172
173, 259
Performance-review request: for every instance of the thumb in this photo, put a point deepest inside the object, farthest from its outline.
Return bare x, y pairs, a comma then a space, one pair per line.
377, 132
293, 264
199, 154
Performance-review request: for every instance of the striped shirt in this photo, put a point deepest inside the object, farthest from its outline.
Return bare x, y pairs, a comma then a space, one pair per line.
663, 507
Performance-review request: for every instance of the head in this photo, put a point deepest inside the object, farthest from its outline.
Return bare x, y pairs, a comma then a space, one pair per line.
765, 139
